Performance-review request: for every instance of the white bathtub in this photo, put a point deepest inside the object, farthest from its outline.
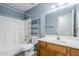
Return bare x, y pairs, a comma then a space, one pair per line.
10, 50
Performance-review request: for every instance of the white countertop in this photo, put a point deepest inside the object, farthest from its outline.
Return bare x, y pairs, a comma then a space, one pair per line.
63, 42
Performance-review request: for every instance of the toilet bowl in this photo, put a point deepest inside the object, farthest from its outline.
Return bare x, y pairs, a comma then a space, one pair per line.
29, 48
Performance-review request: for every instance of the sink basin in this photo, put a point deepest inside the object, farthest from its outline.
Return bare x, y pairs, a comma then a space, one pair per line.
59, 41
70, 42
27, 47
56, 41
76, 43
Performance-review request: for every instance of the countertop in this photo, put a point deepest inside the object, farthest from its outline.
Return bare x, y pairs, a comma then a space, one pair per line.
63, 42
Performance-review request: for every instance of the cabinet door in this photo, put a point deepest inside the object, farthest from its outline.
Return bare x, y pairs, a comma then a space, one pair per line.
50, 48
45, 52
38, 50
74, 52
42, 44
59, 54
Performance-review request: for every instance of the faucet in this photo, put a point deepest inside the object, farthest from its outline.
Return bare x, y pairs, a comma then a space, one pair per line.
58, 38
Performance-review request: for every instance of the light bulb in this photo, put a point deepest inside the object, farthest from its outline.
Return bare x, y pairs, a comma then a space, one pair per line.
60, 4
53, 6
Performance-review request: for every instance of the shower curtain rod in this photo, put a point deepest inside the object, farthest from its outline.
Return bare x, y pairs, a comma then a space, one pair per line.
4, 5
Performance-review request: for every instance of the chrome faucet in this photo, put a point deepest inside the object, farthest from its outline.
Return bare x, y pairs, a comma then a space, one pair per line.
58, 38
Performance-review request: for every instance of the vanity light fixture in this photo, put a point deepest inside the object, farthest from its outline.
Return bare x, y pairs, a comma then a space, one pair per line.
62, 7
60, 4
53, 6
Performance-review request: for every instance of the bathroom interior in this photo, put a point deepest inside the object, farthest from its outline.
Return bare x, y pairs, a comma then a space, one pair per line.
39, 29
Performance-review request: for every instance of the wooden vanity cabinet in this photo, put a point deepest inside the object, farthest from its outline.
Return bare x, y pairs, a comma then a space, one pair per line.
59, 50
56, 50
74, 52
45, 52
42, 49
59, 54
42, 44
50, 49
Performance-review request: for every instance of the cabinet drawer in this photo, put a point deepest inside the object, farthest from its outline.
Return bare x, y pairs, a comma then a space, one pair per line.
59, 48
42, 44
74, 52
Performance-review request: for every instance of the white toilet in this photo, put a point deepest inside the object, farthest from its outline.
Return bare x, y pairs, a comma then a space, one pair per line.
29, 48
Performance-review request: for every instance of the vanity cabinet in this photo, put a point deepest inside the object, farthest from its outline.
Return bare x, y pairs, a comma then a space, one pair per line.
59, 54
56, 50
74, 52
42, 49
59, 50
50, 49
45, 52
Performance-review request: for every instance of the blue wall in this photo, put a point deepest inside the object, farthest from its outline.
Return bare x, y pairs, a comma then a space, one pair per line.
10, 13
39, 12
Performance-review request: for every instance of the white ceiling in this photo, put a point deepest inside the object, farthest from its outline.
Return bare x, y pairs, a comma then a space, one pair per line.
21, 6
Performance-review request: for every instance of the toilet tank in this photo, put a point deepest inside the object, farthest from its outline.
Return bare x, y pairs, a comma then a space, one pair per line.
35, 39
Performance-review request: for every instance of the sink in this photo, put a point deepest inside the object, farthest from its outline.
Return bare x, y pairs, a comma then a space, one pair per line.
27, 47
76, 43
60, 41
56, 41
70, 42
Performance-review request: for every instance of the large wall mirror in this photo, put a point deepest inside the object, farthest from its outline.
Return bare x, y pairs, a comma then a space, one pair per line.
66, 24
62, 22
51, 24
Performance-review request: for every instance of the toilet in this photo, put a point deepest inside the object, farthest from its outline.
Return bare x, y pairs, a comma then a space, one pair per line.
29, 48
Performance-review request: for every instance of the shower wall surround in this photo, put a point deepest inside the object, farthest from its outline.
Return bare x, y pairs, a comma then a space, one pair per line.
11, 27
11, 31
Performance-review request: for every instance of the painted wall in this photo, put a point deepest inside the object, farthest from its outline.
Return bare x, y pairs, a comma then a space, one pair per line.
10, 13
40, 11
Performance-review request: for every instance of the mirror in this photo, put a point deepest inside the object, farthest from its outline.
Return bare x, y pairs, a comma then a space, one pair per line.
77, 21
51, 24
60, 22
65, 25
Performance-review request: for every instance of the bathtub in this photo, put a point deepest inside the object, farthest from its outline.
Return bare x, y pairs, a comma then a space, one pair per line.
10, 50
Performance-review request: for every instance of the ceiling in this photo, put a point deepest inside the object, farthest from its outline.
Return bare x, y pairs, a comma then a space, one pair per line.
21, 6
